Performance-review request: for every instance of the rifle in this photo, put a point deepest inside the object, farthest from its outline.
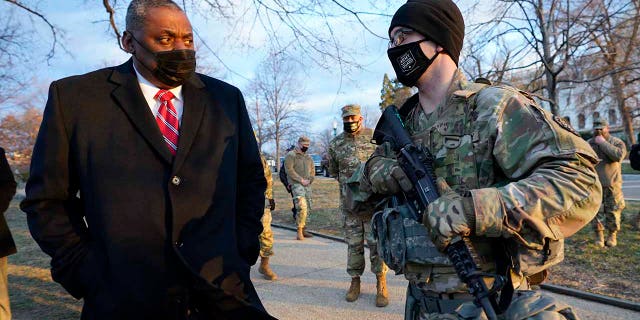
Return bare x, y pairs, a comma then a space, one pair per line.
417, 164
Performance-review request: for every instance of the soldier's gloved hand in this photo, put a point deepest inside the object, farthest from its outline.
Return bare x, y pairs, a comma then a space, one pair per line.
386, 176
272, 204
449, 216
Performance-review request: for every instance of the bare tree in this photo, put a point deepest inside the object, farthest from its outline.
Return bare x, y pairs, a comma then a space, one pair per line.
322, 140
548, 30
279, 91
308, 27
371, 115
616, 60
18, 132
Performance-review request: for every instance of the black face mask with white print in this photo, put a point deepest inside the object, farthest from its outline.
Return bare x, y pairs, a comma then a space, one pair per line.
409, 62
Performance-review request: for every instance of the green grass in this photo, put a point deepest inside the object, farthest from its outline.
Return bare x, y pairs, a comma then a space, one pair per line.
608, 271
325, 214
32, 292
626, 169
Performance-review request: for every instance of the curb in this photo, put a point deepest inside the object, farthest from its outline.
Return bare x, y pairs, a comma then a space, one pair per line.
625, 304
318, 234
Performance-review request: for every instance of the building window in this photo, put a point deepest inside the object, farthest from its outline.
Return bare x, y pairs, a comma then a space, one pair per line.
581, 121
613, 117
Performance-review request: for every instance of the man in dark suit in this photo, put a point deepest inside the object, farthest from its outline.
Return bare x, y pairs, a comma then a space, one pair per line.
146, 184
7, 246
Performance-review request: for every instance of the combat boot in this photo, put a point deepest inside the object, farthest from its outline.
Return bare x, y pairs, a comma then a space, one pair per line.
600, 238
300, 235
382, 296
354, 290
611, 239
266, 270
305, 233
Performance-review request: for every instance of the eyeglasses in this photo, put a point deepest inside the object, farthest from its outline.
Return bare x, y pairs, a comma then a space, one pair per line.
399, 37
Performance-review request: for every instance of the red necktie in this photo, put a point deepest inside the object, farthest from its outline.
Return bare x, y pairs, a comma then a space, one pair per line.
167, 120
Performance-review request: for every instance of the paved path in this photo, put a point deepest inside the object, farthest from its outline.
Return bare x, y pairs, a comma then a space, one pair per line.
312, 283
631, 186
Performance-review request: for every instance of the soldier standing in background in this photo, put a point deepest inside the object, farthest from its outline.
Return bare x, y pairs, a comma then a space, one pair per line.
7, 245
300, 174
611, 152
346, 152
266, 237
512, 177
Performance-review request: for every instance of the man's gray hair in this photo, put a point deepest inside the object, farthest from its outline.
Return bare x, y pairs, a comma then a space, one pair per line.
137, 11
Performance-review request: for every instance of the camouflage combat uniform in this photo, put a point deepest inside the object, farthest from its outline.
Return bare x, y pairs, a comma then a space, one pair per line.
300, 166
531, 178
346, 152
611, 154
266, 237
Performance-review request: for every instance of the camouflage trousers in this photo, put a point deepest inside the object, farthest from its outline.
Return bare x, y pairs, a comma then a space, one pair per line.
302, 202
266, 237
526, 304
357, 228
5, 310
609, 215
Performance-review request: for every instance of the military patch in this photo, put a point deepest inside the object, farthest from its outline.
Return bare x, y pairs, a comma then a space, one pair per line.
565, 125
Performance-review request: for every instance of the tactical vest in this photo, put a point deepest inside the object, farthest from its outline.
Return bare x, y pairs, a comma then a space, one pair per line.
456, 145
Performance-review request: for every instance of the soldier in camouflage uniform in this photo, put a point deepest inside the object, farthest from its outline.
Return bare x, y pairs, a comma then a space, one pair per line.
509, 173
611, 152
346, 153
266, 237
300, 174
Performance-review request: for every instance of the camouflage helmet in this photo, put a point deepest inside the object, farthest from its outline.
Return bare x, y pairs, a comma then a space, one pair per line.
351, 110
600, 123
304, 139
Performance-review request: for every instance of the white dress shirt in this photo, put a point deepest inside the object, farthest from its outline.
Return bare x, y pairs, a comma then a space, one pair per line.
149, 91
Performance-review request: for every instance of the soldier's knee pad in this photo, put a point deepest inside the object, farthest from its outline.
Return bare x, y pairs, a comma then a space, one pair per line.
536, 305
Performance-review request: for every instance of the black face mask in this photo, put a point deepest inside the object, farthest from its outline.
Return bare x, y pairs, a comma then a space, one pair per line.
174, 66
409, 62
304, 149
351, 127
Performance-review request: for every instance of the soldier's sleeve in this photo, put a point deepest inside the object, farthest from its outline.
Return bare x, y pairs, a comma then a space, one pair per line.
292, 175
553, 187
382, 151
615, 151
269, 177
332, 165
312, 169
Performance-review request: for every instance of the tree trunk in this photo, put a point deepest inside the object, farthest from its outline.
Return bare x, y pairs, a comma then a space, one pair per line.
625, 113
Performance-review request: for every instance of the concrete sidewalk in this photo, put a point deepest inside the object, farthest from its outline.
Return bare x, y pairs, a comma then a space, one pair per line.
313, 280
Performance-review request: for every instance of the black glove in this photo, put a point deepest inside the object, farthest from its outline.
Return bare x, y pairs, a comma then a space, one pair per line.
272, 204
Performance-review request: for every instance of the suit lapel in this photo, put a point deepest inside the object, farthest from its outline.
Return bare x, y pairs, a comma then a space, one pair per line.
200, 106
131, 100
195, 102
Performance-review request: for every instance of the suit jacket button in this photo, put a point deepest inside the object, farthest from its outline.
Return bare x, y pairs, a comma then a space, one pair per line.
175, 180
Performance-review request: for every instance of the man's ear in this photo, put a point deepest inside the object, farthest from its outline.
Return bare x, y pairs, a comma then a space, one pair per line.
127, 42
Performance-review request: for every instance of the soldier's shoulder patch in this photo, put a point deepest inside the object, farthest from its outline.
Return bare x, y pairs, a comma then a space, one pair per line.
565, 125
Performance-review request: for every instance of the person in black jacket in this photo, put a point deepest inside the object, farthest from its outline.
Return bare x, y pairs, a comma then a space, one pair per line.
146, 186
7, 246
